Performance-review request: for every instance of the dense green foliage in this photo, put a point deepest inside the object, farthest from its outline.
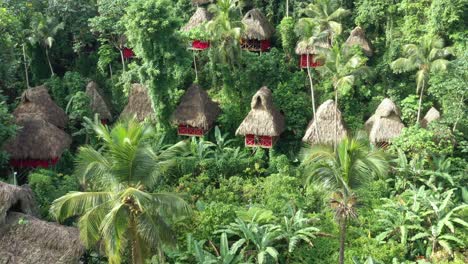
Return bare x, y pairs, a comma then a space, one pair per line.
129, 187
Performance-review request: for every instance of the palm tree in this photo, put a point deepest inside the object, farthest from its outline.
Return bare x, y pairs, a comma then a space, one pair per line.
350, 166
343, 67
117, 208
325, 15
43, 31
429, 56
225, 31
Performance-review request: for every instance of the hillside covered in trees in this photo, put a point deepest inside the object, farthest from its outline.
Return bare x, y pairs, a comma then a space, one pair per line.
234, 131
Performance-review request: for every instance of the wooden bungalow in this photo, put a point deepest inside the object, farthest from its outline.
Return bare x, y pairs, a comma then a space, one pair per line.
358, 37
322, 128
264, 123
139, 104
98, 104
26, 239
196, 113
385, 124
200, 17
431, 115
308, 53
258, 31
37, 101
37, 144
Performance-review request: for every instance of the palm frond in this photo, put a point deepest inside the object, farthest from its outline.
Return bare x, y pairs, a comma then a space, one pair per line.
77, 203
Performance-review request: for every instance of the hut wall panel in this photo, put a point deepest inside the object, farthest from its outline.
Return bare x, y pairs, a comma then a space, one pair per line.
259, 141
32, 163
184, 130
250, 140
128, 53
200, 45
256, 45
266, 141
312, 62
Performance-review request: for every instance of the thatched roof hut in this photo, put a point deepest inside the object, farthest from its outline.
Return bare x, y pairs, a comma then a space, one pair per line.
385, 124
98, 104
303, 47
200, 16
257, 26
38, 101
431, 115
321, 129
139, 104
27, 239
263, 119
196, 109
358, 37
201, 2
37, 139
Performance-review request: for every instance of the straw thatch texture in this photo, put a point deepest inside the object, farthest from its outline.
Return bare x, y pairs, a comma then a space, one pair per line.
201, 2
263, 119
38, 101
358, 37
196, 109
321, 129
37, 139
199, 17
98, 104
431, 115
36, 241
385, 124
303, 47
257, 26
139, 104
16, 198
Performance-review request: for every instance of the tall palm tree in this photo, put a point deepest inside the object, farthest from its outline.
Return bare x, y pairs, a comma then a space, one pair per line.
343, 67
349, 167
326, 14
428, 56
117, 208
43, 30
225, 31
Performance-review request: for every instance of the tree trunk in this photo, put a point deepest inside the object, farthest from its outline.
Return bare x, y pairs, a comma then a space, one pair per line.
342, 240
137, 258
458, 116
312, 92
420, 102
48, 60
287, 8
25, 67
123, 59
195, 66
110, 70
335, 141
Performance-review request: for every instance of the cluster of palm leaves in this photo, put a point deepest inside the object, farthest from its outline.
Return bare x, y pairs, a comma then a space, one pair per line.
424, 221
117, 207
257, 242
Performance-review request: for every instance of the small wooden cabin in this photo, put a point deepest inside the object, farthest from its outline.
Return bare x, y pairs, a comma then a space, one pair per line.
98, 104
385, 124
37, 101
196, 113
264, 123
432, 115
358, 38
200, 17
258, 31
327, 120
308, 54
139, 104
37, 144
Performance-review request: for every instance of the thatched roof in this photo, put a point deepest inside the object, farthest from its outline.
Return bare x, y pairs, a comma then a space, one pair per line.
196, 109
358, 37
139, 104
18, 198
431, 115
257, 26
385, 124
98, 104
263, 119
38, 101
199, 17
321, 129
303, 47
201, 2
37, 139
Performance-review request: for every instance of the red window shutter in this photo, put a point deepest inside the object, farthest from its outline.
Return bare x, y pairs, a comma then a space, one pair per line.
266, 141
249, 140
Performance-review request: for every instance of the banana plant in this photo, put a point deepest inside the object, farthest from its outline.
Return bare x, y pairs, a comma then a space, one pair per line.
226, 254
297, 228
